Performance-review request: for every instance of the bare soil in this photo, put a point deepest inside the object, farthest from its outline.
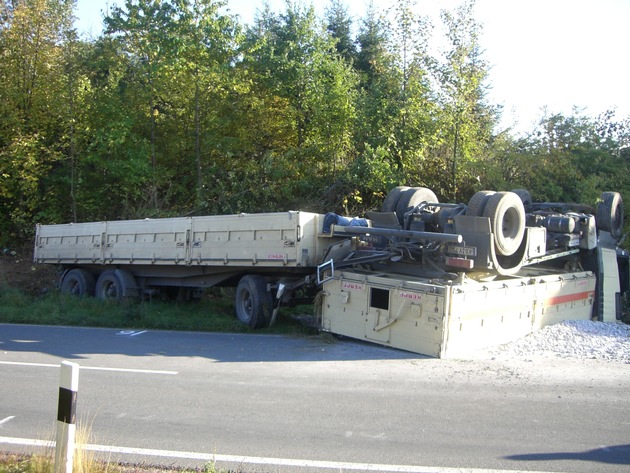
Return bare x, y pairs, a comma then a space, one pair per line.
18, 271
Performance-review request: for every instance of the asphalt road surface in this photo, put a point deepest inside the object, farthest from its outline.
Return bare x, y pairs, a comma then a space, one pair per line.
275, 404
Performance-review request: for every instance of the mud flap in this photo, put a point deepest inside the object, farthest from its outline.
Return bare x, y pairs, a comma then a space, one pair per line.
608, 288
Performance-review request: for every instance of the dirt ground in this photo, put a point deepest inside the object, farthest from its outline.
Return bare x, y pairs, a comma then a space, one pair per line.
18, 271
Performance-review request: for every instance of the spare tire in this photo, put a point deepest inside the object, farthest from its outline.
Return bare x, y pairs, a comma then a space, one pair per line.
392, 198
477, 203
411, 198
609, 216
507, 221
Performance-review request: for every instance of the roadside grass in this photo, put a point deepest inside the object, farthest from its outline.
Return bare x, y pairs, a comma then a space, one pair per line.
25, 464
11, 463
213, 313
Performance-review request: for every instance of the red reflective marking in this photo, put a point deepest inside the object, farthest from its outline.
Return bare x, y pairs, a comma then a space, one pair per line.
568, 298
459, 262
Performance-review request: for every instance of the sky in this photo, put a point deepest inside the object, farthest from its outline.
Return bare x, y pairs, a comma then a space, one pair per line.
544, 54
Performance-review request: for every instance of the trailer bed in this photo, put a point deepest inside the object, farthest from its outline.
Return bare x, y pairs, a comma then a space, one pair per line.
275, 240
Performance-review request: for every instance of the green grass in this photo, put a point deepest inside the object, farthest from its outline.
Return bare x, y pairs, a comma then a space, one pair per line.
214, 313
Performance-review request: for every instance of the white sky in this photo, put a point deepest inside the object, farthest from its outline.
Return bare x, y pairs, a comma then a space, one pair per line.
544, 53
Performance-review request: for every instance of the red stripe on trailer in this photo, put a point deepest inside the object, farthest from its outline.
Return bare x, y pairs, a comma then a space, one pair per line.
578, 296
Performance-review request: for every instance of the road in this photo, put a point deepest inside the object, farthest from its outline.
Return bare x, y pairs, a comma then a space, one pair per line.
273, 403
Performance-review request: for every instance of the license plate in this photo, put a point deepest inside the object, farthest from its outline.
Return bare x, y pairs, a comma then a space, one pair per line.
462, 250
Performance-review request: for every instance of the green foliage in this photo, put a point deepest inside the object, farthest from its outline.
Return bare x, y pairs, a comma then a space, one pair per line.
24, 164
366, 182
339, 24
178, 109
465, 118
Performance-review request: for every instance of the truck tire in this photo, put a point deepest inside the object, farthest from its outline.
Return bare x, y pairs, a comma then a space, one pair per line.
115, 285
524, 195
411, 198
477, 203
253, 302
507, 221
609, 216
78, 282
392, 198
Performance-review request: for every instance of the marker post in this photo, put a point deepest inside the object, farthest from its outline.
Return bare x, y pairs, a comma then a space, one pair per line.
66, 417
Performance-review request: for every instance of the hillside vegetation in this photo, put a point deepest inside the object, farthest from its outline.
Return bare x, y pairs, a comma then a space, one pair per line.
177, 108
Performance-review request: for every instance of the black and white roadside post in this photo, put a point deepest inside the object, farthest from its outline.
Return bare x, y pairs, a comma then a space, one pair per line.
66, 417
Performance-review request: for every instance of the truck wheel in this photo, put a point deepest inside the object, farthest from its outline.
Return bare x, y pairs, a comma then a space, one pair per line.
253, 303
109, 287
78, 282
116, 285
392, 198
477, 203
609, 216
507, 221
411, 198
525, 196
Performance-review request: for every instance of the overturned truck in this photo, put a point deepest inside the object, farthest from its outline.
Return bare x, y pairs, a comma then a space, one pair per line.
432, 278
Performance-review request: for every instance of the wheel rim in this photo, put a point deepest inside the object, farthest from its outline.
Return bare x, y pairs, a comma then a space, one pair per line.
110, 290
75, 288
510, 224
246, 305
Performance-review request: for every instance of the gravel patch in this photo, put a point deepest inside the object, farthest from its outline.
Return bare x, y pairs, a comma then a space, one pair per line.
572, 339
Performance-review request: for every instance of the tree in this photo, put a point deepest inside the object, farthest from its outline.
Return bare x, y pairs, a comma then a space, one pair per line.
413, 116
208, 48
145, 31
293, 64
113, 174
378, 87
339, 25
33, 95
466, 119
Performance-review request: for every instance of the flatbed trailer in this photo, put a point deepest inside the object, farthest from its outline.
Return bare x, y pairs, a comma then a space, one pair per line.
280, 241
136, 258
431, 278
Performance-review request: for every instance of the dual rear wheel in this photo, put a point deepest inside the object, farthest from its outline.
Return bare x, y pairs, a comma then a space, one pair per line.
253, 302
402, 200
114, 285
505, 210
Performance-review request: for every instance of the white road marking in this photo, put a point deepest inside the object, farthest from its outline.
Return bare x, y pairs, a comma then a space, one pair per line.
213, 457
93, 368
4, 421
131, 333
